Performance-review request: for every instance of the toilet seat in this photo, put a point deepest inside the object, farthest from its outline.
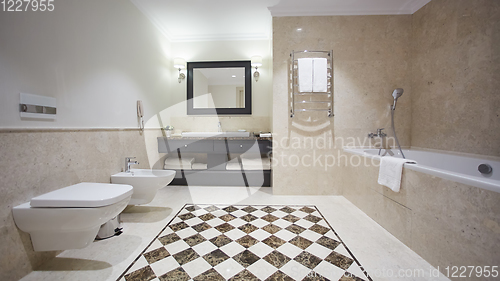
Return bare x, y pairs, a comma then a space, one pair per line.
83, 195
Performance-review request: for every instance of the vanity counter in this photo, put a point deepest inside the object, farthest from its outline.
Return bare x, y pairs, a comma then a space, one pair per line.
214, 145
218, 151
219, 138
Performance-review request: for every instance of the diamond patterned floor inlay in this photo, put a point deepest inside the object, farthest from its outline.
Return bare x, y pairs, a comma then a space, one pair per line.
247, 243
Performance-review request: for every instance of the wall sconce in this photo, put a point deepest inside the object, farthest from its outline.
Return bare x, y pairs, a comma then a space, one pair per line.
256, 62
180, 64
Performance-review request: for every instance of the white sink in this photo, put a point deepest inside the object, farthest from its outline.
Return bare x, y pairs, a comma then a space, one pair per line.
215, 134
145, 182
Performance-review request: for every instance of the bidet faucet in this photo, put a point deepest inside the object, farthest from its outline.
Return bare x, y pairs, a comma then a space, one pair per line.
128, 162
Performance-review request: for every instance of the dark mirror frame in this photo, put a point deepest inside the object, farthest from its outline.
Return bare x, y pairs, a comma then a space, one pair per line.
220, 111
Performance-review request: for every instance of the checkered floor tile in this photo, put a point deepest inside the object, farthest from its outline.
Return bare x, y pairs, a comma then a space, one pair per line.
241, 242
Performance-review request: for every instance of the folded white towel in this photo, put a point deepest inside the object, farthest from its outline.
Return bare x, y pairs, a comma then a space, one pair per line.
255, 161
265, 135
177, 167
390, 172
183, 161
320, 79
199, 166
251, 161
257, 167
305, 73
233, 166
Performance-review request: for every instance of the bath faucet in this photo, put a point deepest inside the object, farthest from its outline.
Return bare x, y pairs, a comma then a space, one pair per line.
219, 127
128, 162
379, 134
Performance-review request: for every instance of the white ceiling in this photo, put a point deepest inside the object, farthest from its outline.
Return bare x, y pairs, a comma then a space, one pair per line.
345, 7
203, 20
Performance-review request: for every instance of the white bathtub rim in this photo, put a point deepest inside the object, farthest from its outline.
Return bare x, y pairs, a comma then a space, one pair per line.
456, 153
354, 149
491, 185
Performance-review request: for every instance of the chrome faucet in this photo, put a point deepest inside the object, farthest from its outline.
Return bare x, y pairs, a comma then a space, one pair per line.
128, 162
379, 134
219, 127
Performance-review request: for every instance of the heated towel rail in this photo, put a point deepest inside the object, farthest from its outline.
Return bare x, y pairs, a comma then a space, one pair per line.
313, 101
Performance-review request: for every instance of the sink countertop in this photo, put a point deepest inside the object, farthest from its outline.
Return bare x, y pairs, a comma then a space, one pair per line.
218, 138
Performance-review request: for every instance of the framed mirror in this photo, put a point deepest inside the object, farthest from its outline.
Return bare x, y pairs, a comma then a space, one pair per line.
219, 87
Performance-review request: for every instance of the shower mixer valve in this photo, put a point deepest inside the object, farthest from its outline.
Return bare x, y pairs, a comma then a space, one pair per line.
379, 134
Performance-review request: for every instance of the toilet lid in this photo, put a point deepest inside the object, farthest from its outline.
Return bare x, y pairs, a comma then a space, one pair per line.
83, 195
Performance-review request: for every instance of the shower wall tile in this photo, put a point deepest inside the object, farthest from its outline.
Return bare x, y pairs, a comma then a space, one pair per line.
456, 76
39, 161
371, 58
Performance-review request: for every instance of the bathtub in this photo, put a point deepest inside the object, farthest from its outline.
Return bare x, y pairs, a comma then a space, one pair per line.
462, 169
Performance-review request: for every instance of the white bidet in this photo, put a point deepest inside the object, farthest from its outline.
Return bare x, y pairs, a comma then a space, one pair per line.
145, 182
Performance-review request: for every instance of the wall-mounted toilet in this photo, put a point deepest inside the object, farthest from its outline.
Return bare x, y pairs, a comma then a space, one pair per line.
70, 217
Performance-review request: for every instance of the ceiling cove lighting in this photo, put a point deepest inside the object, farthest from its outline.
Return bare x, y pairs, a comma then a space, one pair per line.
180, 64
256, 61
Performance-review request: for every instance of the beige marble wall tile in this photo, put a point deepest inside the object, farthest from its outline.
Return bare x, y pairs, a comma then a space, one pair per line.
37, 162
453, 224
378, 202
456, 77
447, 223
371, 58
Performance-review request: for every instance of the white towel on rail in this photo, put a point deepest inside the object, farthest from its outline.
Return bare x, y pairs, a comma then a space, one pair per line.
305, 79
390, 172
320, 79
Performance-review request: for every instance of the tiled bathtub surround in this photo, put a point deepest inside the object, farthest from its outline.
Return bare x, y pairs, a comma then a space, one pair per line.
447, 223
246, 242
35, 162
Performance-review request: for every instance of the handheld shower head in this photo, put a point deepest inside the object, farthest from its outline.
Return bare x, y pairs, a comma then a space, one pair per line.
396, 94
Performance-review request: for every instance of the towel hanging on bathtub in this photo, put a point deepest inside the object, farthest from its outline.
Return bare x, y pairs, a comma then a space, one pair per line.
390, 172
312, 75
